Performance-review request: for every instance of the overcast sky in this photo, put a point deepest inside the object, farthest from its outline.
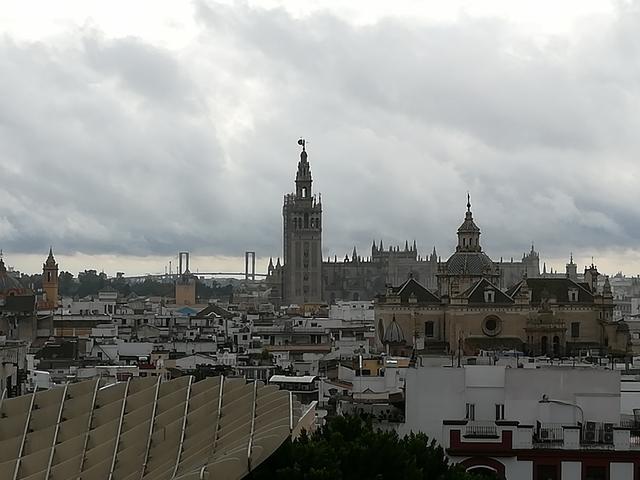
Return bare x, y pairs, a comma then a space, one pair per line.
132, 130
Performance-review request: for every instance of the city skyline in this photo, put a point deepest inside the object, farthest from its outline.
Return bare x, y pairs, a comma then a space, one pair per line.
121, 146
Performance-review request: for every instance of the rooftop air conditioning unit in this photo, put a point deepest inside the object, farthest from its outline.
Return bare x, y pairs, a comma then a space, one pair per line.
589, 435
607, 436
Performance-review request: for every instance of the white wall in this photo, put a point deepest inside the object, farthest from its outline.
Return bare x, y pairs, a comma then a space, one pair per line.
433, 394
517, 470
135, 349
484, 389
596, 391
352, 311
571, 471
190, 362
620, 471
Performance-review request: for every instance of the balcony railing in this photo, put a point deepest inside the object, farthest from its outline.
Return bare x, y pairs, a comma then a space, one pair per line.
478, 429
633, 424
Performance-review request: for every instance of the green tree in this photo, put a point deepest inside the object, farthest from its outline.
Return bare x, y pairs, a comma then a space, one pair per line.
66, 284
350, 448
91, 282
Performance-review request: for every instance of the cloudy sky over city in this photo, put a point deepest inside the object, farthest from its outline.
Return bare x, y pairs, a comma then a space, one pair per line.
132, 130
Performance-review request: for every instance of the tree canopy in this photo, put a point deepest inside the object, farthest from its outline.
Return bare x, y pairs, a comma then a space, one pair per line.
350, 448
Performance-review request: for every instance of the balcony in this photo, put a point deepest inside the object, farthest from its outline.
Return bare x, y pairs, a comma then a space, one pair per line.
467, 437
548, 435
478, 429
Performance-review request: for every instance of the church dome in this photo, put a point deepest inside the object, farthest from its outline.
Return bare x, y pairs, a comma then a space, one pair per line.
469, 263
393, 333
7, 281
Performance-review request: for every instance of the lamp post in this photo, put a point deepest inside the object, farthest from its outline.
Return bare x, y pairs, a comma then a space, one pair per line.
546, 399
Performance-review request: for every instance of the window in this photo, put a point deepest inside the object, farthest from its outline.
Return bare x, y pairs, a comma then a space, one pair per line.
575, 329
492, 325
428, 329
489, 296
499, 411
471, 411
596, 473
573, 295
547, 472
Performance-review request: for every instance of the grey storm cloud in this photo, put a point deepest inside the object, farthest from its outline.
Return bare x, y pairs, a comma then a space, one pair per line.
121, 146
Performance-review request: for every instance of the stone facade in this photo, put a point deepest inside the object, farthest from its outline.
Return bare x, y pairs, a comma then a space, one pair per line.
358, 278
302, 222
470, 312
305, 278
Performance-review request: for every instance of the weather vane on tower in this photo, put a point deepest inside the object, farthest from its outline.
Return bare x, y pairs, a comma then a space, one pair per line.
302, 142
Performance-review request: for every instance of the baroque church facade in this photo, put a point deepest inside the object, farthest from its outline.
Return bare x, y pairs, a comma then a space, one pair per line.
306, 278
470, 311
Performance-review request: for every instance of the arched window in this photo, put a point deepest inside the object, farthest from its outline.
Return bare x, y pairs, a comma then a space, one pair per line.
304, 192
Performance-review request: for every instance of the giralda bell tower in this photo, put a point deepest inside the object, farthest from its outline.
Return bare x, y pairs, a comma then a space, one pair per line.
302, 222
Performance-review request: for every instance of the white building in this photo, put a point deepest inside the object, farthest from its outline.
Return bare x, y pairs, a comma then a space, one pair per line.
526, 424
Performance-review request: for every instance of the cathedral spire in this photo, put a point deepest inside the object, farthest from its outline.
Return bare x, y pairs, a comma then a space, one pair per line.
51, 261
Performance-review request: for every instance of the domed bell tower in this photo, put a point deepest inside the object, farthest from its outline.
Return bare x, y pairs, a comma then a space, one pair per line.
468, 233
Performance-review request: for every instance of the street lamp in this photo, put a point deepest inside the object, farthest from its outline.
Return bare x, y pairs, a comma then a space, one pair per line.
546, 399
